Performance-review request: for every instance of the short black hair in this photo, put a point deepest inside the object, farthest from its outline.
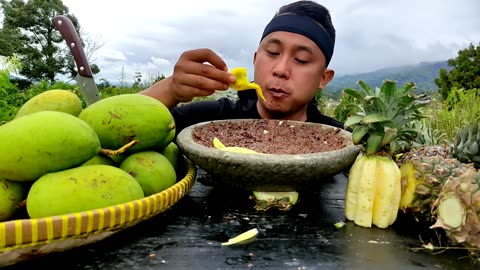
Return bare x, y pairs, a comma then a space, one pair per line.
312, 10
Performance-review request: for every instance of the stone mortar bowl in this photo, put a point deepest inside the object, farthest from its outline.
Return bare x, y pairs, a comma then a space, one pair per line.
269, 172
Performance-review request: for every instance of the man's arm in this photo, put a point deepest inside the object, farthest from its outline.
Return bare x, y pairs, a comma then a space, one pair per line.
162, 92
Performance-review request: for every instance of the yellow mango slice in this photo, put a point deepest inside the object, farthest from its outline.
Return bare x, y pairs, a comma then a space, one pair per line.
242, 82
243, 238
219, 145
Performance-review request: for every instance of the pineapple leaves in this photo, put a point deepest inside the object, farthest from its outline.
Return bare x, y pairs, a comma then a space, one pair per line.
382, 121
375, 103
374, 118
366, 88
373, 143
353, 120
358, 133
387, 92
354, 93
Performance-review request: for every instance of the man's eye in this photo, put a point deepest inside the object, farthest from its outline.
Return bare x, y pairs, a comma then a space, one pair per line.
301, 61
272, 52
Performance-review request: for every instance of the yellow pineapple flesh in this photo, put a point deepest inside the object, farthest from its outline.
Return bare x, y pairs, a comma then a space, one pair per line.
373, 192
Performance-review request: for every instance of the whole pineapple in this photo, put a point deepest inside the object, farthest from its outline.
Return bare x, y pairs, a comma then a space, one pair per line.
425, 169
380, 124
457, 210
422, 179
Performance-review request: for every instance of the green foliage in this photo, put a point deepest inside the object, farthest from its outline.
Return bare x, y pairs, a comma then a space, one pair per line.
320, 100
345, 108
450, 117
466, 67
29, 32
8, 100
113, 91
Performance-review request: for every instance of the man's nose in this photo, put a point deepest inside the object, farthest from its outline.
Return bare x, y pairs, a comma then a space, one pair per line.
282, 68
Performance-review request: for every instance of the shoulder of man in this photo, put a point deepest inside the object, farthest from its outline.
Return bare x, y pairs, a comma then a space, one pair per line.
314, 115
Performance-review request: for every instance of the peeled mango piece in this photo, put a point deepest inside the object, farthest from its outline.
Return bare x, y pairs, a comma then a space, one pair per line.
43, 142
235, 149
120, 119
11, 193
52, 100
151, 169
243, 238
242, 82
81, 189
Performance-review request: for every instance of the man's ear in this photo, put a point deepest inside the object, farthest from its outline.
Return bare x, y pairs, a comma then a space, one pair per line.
254, 57
327, 76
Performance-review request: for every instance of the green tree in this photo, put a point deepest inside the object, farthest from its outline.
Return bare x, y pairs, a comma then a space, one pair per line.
464, 74
41, 49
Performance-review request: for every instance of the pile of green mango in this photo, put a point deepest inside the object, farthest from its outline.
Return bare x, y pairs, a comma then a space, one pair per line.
59, 158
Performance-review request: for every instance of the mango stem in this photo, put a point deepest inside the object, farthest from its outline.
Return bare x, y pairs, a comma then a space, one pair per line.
119, 151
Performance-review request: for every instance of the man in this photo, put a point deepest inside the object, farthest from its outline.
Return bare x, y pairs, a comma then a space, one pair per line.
291, 64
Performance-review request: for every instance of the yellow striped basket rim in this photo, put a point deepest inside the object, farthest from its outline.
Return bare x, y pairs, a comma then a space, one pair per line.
28, 233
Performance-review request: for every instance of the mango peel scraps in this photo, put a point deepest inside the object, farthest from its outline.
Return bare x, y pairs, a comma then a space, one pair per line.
242, 82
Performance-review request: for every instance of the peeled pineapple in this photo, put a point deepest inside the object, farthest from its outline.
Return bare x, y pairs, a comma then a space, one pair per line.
373, 191
381, 123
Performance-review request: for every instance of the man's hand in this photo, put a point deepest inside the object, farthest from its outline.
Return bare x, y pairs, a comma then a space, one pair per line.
197, 73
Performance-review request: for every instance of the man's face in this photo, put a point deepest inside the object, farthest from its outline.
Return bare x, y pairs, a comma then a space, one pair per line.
289, 68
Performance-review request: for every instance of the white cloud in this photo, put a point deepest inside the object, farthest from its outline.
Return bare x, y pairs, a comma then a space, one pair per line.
149, 36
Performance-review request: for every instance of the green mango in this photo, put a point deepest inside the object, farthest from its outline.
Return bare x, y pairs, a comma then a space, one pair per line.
52, 100
122, 118
11, 193
172, 153
152, 170
81, 189
43, 142
99, 160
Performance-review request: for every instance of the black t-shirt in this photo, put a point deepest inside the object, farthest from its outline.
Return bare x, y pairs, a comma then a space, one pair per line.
225, 108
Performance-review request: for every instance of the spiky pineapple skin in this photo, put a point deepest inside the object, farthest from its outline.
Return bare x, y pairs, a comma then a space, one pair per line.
422, 179
443, 151
467, 190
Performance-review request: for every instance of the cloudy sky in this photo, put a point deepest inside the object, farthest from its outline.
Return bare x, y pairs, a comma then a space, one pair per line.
149, 36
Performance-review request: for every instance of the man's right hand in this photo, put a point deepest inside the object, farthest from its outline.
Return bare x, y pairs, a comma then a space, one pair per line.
197, 73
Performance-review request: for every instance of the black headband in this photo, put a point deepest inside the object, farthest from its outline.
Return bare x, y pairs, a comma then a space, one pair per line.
304, 26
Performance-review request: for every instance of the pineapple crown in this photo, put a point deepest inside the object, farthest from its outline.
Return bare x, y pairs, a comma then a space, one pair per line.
466, 145
383, 116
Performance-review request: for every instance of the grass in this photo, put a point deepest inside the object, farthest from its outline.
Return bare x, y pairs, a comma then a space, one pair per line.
450, 118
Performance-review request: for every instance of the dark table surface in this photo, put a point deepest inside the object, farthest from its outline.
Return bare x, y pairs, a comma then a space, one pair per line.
189, 236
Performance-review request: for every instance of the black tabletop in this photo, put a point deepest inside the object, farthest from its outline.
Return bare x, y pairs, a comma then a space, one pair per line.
189, 236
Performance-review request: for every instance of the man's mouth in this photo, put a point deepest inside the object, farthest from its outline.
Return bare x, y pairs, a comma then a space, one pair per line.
277, 93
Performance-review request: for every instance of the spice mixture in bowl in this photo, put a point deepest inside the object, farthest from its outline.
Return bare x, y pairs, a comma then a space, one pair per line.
292, 153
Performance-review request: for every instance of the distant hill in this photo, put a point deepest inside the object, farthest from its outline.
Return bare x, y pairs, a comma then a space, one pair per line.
422, 75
